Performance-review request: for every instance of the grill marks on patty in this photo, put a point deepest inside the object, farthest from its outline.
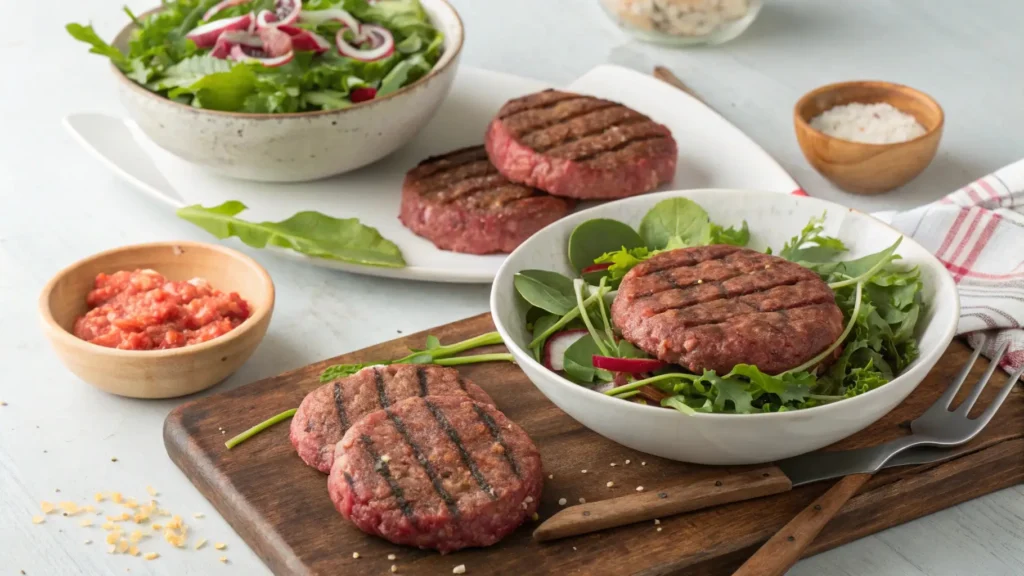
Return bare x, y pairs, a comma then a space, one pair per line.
583, 128
467, 177
381, 466
435, 480
537, 101
339, 408
466, 458
495, 431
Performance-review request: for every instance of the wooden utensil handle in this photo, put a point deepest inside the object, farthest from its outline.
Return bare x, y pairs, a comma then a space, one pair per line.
637, 507
780, 552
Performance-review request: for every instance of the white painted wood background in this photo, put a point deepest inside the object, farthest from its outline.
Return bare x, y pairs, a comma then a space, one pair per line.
57, 205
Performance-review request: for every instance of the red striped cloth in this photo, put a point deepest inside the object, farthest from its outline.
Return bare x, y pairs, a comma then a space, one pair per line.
977, 232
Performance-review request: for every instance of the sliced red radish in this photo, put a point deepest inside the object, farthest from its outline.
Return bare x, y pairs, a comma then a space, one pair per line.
557, 344
381, 44
596, 268
318, 17
286, 13
221, 6
306, 40
242, 54
206, 35
363, 94
227, 40
630, 365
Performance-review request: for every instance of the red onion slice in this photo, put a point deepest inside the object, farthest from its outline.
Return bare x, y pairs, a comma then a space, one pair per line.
238, 53
206, 35
382, 44
275, 42
227, 40
306, 40
318, 17
221, 6
285, 13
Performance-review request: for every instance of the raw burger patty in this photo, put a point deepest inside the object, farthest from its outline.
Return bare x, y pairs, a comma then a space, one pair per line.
436, 472
459, 202
580, 146
327, 412
713, 307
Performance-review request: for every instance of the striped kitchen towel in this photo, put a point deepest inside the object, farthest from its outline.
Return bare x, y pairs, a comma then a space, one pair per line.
977, 232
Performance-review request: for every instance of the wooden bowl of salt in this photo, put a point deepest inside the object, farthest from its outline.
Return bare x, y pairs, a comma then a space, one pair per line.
868, 137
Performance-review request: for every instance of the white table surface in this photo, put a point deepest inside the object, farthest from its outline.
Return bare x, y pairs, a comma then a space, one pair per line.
57, 204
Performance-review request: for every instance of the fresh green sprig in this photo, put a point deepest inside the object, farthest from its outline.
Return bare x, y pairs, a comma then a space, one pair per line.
235, 441
430, 355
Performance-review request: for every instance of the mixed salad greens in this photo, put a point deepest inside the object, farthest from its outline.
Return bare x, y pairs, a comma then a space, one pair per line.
572, 334
275, 56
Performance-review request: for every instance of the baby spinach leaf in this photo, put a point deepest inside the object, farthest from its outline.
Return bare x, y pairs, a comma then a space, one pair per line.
226, 91
310, 233
675, 223
546, 290
540, 326
579, 360
593, 238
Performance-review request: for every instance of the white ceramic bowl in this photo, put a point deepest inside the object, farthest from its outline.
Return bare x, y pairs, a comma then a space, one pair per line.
302, 146
730, 438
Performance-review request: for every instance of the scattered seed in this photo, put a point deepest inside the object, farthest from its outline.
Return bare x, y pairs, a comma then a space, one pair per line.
223, 559
574, 548
117, 497
528, 499
656, 521
113, 459
122, 546
584, 471
98, 497
151, 556
394, 568
659, 528
135, 537
551, 476
613, 464
392, 556
536, 516
354, 554
134, 550
151, 491
200, 544
627, 461
38, 519
562, 501
157, 527
385, 458
113, 537
460, 569
610, 484
111, 549
85, 522
108, 525
643, 463
87, 542
46, 507
221, 546
639, 488
583, 500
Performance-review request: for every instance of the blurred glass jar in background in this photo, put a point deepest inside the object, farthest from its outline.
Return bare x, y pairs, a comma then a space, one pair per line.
683, 22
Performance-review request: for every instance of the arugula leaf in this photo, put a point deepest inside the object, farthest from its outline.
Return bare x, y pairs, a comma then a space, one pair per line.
623, 261
222, 90
811, 245
675, 223
546, 290
99, 46
405, 72
310, 233
189, 71
730, 235
593, 238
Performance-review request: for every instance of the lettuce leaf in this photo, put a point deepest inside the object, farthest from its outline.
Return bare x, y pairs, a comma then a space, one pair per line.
310, 233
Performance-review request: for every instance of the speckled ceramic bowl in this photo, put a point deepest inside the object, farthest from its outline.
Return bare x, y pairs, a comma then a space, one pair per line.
301, 146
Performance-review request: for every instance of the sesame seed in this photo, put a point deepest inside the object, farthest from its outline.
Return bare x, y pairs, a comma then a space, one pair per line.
659, 528
460, 569
46, 507
643, 463
574, 548
613, 463
98, 497
551, 476
113, 459
394, 568
656, 521
392, 556
627, 461
639, 488
200, 544
583, 500
562, 501
610, 484
221, 546
151, 556
584, 471
355, 554
385, 458
699, 281
38, 519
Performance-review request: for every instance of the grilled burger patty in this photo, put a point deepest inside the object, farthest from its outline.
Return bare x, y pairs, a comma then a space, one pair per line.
436, 472
712, 307
460, 202
327, 412
580, 146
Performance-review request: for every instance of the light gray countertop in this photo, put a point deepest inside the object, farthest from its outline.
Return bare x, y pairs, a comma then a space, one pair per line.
57, 204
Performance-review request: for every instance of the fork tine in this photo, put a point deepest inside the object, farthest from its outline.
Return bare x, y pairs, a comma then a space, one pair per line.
947, 397
966, 405
1003, 394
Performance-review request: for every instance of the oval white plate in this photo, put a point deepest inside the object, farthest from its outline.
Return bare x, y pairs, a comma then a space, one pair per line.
712, 154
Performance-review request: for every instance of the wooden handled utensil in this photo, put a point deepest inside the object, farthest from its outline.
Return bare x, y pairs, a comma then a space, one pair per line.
938, 426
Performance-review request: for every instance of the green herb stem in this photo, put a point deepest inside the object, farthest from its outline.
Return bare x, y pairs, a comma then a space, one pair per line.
487, 339
259, 428
842, 338
641, 383
870, 272
629, 394
604, 315
568, 317
476, 359
598, 339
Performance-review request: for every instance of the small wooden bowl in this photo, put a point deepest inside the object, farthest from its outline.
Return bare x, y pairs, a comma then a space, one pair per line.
158, 373
868, 168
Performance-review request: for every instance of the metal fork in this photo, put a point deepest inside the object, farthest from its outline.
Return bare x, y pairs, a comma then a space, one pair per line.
938, 426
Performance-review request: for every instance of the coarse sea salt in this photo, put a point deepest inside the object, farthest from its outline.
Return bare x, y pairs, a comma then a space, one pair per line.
879, 123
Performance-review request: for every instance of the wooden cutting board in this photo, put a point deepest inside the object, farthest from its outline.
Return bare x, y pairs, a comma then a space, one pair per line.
281, 508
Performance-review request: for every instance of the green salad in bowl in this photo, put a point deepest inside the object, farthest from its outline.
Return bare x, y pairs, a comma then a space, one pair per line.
274, 56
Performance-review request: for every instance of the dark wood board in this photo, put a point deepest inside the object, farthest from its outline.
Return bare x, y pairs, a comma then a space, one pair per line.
280, 507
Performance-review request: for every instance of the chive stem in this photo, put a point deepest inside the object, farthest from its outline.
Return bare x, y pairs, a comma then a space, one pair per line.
476, 359
259, 428
842, 338
569, 317
641, 383
871, 271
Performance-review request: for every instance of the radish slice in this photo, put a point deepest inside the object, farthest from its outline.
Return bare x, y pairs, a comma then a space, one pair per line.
363, 94
221, 6
630, 365
238, 53
222, 49
306, 40
318, 17
275, 42
206, 35
596, 267
382, 44
285, 13
557, 344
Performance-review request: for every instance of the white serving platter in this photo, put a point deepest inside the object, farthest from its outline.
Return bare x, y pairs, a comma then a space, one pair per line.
712, 154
